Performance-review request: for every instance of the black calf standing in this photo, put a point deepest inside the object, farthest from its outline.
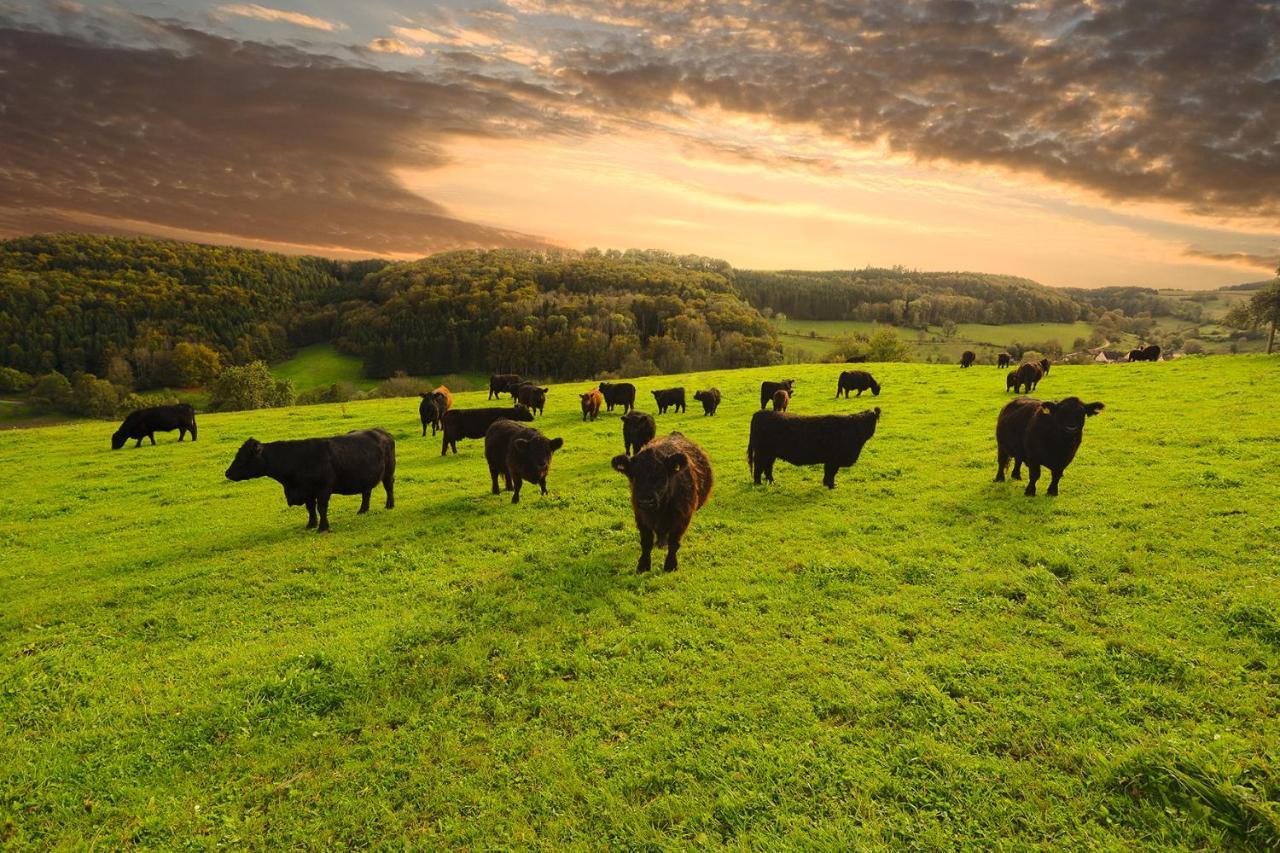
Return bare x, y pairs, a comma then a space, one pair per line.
669, 398
638, 429
518, 453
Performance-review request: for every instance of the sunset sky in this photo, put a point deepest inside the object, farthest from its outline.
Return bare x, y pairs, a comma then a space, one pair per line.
1084, 144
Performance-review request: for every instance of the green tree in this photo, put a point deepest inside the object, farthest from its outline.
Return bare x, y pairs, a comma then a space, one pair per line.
250, 386
12, 381
194, 364
1262, 309
52, 391
885, 345
93, 397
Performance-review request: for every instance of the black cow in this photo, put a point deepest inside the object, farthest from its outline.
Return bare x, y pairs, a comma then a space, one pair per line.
856, 380
473, 423
145, 423
670, 480
767, 389
532, 397
1040, 434
967, 358
833, 441
518, 453
431, 410
1150, 353
312, 469
638, 429
618, 394
710, 400
504, 383
856, 359
669, 397
1004, 359
1027, 377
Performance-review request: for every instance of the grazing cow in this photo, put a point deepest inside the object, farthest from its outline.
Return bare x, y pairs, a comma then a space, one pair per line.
532, 397
591, 403
472, 423
670, 480
1004, 359
1044, 365
856, 380
768, 388
781, 399
710, 400
1150, 353
503, 383
856, 359
518, 453
1011, 381
431, 410
618, 394
669, 397
833, 441
638, 429
312, 469
446, 394
1040, 434
1026, 376
145, 423
967, 358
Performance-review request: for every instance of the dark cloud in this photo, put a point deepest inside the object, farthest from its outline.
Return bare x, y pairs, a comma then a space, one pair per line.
207, 134
1266, 262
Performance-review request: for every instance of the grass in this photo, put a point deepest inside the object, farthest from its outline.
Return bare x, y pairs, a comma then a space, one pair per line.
920, 656
815, 338
321, 364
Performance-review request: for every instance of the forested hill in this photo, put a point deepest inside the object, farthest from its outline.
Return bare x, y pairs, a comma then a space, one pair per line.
906, 297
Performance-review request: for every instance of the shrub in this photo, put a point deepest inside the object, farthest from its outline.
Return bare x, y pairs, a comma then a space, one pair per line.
1193, 347
132, 402
885, 345
93, 397
401, 385
51, 391
338, 392
250, 386
193, 364
12, 381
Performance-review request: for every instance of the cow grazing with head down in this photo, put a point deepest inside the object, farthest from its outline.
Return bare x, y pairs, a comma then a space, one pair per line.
669, 398
710, 400
670, 480
1004, 359
768, 389
504, 383
431, 410
532, 397
313, 469
1026, 376
856, 380
781, 399
473, 423
638, 429
833, 441
591, 403
518, 453
618, 394
967, 358
1040, 434
145, 423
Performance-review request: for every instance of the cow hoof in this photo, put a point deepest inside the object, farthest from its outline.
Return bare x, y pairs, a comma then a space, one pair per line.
1030, 492
1015, 476
999, 478
515, 499
642, 566
1053, 493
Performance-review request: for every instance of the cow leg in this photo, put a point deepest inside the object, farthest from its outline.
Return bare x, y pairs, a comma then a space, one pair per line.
646, 550
515, 490
1002, 462
757, 469
1017, 468
322, 505
768, 471
389, 486
1033, 474
364, 501
424, 429
493, 477
182, 433
311, 513
673, 551
152, 436
542, 484
829, 475
139, 444
1053, 484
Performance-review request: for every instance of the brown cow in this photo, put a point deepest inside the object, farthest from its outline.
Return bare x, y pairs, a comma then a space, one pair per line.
781, 399
503, 383
1040, 434
474, 423
1004, 359
1026, 376
967, 358
638, 429
591, 403
448, 397
670, 480
518, 453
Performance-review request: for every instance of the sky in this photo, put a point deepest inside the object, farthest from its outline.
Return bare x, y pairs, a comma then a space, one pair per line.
1096, 143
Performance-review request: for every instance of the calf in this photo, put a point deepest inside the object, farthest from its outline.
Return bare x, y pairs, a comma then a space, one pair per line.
781, 399
503, 383
145, 423
532, 397
669, 397
1040, 434
638, 429
967, 358
619, 394
591, 403
312, 469
767, 390
1004, 359
1026, 376
431, 410
670, 480
833, 441
856, 380
710, 400
1011, 381
519, 453
473, 423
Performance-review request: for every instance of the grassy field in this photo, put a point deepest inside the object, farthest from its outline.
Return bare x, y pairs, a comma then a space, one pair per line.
321, 364
921, 656
815, 338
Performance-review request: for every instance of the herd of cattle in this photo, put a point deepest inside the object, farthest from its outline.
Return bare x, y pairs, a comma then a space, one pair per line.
670, 478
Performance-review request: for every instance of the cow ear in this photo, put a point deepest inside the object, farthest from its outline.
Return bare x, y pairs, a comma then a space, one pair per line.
676, 462
556, 444
1092, 409
521, 444
621, 464
1048, 407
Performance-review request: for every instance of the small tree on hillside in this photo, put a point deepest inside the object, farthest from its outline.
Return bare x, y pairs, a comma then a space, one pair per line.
250, 386
1262, 309
194, 364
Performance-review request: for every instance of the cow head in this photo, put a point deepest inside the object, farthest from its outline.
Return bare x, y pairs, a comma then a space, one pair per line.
533, 455
875, 390
118, 438
1044, 365
1069, 414
521, 412
650, 474
248, 462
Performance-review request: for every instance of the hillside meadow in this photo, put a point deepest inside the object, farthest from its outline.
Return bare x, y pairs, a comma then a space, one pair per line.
920, 656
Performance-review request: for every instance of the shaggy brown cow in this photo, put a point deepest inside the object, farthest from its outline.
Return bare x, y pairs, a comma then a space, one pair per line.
638, 429
446, 394
431, 410
591, 403
669, 398
833, 441
518, 453
670, 480
781, 399
767, 390
473, 423
967, 358
710, 400
1004, 359
503, 383
145, 423
312, 469
618, 394
856, 380
1026, 376
532, 397
1040, 434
